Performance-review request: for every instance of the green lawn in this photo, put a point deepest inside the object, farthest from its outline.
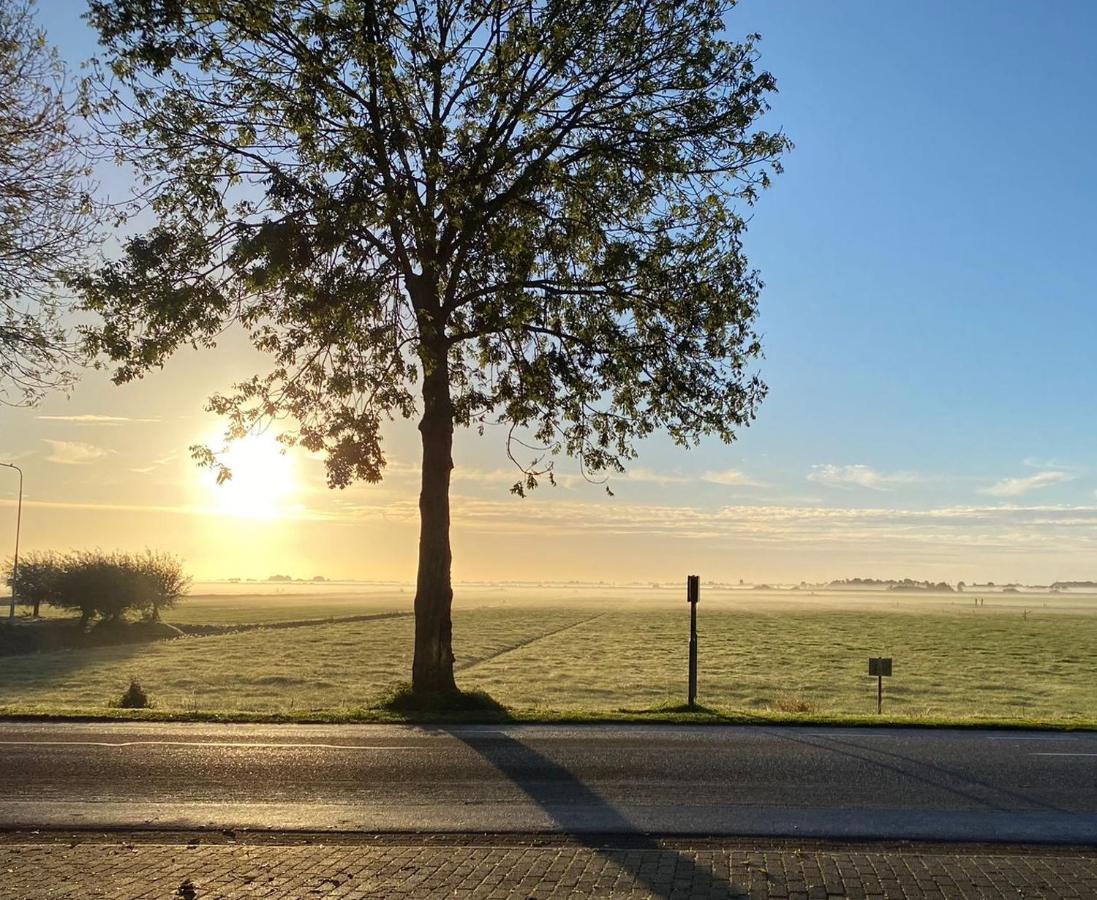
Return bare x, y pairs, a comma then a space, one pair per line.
603, 654
956, 664
325, 666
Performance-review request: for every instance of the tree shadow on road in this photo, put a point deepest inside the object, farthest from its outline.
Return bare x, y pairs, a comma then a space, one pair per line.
578, 811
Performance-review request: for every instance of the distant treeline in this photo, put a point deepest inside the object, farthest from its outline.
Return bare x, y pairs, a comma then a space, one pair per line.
890, 584
1067, 585
281, 579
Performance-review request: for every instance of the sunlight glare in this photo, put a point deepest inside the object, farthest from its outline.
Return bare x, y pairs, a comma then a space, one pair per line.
264, 480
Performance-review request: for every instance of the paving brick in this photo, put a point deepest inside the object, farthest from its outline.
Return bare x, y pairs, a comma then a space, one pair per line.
100, 867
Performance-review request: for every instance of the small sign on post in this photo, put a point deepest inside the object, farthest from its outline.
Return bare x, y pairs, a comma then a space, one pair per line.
880, 666
693, 594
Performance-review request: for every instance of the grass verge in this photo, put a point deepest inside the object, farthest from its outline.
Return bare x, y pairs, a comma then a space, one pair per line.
478, 708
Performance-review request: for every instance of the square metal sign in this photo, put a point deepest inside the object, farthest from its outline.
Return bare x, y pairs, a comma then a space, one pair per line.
879, 665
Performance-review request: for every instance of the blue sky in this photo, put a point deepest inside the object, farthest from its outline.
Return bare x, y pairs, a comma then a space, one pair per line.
929, 252
929, 325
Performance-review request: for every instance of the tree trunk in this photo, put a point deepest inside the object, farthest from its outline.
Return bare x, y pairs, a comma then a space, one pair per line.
432, 670
36, 605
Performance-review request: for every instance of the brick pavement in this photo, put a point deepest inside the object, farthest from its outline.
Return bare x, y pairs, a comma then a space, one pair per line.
166, 866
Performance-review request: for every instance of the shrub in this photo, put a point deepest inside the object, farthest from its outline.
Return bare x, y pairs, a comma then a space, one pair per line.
106, 585
36, 581
95, 583
134, 696
163, 582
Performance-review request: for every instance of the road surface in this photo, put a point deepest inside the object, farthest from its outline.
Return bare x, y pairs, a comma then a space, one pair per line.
809, 782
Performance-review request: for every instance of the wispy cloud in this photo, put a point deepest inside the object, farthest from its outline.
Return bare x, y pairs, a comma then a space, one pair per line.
75, 453
93, 419
731, 477
1015, 487
1057, 465
1059, 528
637, 475
296, 513
155, 464
651, 476
858, 475
958, 533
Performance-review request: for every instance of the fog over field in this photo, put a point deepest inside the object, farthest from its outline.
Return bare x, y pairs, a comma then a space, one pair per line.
338, 648
251, 598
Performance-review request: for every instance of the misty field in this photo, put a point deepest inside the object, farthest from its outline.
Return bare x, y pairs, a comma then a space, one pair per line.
600, 650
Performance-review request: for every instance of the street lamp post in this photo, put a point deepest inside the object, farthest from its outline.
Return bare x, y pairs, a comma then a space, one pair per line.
18, 525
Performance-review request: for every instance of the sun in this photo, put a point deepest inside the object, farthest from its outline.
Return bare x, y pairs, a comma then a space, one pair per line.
264, 479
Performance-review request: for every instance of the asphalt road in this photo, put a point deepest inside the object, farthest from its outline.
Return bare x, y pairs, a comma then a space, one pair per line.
812, 782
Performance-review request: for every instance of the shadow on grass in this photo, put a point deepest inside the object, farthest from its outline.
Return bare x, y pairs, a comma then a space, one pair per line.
49, 635
443, 706
43, 656
479, 707
677, 709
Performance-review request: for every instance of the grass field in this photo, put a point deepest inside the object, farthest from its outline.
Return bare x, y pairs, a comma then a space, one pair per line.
602, 650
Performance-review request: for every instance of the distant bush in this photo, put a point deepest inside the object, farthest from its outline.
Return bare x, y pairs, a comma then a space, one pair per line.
37, 580
95, 583
107, 585
134, 696
163, 580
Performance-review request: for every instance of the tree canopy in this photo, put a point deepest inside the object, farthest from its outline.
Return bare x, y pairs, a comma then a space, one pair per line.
527, 212
100, 584
45, 209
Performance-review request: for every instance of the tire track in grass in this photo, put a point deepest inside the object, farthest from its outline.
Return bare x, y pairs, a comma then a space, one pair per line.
135, 633
200, 631
519, 645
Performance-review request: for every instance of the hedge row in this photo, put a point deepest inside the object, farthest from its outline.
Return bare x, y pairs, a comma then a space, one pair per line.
95, 583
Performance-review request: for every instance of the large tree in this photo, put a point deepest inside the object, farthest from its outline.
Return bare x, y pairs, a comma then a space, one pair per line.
524, 211
45, 212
